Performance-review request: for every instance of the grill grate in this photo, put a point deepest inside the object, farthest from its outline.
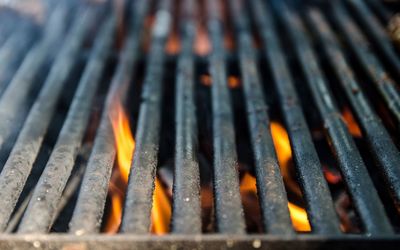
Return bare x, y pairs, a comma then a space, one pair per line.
203, 123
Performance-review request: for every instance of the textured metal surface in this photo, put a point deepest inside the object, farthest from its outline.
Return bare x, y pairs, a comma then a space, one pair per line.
20, 161
187, 208
195, 242
377, 32
42, 207
229, 211
320, 209
378, 137
353, 168
388, 157
270, 186
268, 62
14, 102
92, 197
14, 50
141, 178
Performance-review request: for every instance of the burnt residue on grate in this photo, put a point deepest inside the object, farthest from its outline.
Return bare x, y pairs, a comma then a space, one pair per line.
201, 72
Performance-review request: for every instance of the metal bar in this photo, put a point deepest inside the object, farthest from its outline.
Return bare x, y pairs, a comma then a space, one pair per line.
22, 156
70, 189
186, 216
93, 193
228, 206
43, 205
6, 21
384, 150
139, 195
207, 241
379, 141
13, 103
362, 49
14, 50
367, 204
271, 191
321, 212
380, 9
377, 32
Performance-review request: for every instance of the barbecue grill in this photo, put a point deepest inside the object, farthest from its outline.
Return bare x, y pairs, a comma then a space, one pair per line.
174, 124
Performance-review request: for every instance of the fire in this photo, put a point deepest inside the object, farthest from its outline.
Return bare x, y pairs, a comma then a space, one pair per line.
351, 123
161, 212
124, 141
284, 153
297, 214
125, 144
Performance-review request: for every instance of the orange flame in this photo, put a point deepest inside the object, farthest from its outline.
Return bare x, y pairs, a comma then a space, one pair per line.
297, 214
284, 153
161, 212
125, 144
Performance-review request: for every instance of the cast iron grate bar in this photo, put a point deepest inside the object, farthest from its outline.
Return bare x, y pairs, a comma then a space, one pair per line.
88, 212
26, 148
368, 204
143, 170
271, 191
38, 211
321, 212
14, 49
14, 101
186, 216
39, 214
371, 25
360, 45
228, 206
379, 140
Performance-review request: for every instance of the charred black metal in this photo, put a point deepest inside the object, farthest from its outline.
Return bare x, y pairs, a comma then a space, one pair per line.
14, 101
271, 191
186, 216
382, 146
210, 242
44, 202
229, 210
359, 44
378, 6
368, 204
377, 32
14, 50
39, 185
320, 209
141, 178
24, 152
93, 193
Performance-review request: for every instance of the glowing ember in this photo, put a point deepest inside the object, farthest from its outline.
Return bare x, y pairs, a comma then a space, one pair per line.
233, 82
173, 44
206, 80
351, 123
202, 44
125, 144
